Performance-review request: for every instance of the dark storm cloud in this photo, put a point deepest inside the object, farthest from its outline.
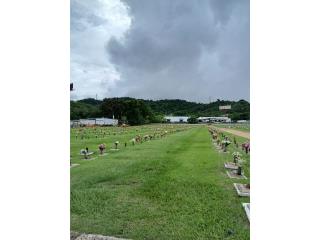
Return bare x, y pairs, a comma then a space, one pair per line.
184, 49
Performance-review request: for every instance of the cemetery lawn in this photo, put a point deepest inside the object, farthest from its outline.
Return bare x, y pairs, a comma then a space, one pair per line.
170, 188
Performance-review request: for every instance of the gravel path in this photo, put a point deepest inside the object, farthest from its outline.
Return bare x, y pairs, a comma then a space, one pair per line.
236, 132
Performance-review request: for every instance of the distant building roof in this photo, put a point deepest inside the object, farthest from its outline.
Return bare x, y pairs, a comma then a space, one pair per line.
200, 118
177, 118
214, 119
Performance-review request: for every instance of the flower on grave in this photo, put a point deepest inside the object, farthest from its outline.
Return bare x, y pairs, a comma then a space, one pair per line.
102, 146
214, 136
247, 147
226, 142
236, 155
83, 151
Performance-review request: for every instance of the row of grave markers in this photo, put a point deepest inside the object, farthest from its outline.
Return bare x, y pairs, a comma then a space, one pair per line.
234, 168
158, 133
102, 132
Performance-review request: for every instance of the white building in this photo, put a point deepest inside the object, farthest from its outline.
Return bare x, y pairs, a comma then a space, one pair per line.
214, 119
106, 121
242, 121
174, 119
94, 121
87, 122
74, 123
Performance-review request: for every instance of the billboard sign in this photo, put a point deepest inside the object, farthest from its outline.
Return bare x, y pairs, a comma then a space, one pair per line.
226, 107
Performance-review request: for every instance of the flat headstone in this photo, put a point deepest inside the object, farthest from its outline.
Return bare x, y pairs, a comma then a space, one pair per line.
77, 236
88, 154
74, 165
246, 207
113, 149
230, 165
242, 190
233, 174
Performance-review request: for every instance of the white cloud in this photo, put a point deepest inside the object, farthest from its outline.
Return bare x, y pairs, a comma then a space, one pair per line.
93, 23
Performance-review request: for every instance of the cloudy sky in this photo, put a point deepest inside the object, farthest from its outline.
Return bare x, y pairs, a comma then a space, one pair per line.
194, 50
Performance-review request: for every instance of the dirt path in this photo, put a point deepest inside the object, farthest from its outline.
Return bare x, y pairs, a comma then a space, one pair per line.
236, 132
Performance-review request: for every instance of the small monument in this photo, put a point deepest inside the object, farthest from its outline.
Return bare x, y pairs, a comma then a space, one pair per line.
116, 143
86, 153
243, 190
237, 173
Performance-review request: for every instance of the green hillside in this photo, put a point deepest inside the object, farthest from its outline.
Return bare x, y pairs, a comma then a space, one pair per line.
152, 111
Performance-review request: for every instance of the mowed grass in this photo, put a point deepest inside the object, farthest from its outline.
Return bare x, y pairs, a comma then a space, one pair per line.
170, 188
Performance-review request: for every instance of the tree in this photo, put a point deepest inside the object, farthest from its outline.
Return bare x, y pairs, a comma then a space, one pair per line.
192, 120
133, 110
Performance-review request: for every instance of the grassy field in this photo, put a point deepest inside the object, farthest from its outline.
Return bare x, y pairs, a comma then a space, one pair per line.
169, 188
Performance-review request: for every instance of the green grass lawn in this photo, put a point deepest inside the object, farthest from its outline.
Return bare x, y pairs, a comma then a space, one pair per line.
169, 188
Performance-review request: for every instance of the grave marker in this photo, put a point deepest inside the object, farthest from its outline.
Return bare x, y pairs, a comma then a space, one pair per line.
243, 190
246, 207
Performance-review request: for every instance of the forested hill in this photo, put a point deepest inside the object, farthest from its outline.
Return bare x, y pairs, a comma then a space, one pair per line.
178, 107
90, 107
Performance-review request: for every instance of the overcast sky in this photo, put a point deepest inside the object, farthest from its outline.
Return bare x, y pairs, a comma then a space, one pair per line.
194, 50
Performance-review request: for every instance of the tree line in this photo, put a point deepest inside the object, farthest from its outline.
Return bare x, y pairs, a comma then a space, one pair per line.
140, 111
